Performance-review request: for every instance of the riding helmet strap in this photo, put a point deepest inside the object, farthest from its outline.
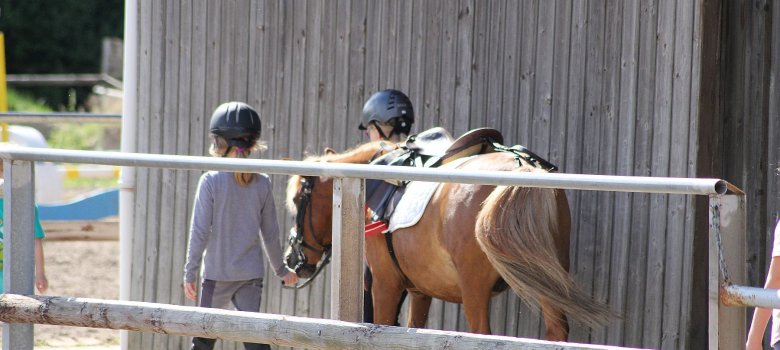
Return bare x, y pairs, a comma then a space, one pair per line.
382, 133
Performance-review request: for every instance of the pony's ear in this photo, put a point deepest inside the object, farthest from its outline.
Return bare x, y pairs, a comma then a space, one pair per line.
329, 150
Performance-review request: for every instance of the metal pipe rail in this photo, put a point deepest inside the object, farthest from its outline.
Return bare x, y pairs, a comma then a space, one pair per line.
742, 296
545, 180
83, 79
348, 203
45, 118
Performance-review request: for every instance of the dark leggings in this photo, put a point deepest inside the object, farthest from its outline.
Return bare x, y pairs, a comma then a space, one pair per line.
368, 300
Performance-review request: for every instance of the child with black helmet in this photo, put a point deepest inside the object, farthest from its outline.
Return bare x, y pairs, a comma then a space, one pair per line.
388, 115
234, 220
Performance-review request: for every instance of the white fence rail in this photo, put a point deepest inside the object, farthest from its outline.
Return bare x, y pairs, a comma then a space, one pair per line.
725, 202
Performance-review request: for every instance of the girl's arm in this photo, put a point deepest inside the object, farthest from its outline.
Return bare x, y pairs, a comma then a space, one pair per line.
761, 316
270, 237
200, 229
40, 271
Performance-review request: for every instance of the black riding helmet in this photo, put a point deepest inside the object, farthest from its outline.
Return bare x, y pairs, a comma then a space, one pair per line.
389, 107
237, 123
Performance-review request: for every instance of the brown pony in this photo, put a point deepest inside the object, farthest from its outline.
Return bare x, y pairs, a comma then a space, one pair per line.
470, 239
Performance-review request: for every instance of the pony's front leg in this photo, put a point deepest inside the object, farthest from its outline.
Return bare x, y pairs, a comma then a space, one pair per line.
386, 298
419, 306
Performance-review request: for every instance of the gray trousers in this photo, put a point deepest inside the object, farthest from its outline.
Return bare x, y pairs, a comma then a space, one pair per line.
244, 295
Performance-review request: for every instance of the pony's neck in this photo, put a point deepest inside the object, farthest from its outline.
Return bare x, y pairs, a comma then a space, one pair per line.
357, 155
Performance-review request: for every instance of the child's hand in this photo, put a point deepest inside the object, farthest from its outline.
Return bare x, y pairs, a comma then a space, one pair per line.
290, 279
41, 283
190, 291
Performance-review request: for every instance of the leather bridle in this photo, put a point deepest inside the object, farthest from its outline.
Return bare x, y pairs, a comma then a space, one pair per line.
296, 239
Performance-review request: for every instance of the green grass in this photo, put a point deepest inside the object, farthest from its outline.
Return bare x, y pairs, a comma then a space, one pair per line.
21, 102
77, 136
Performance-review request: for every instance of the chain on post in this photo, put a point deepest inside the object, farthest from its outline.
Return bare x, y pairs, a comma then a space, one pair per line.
715, 227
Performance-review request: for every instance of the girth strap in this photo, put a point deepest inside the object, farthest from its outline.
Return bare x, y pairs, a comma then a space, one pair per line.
389, 241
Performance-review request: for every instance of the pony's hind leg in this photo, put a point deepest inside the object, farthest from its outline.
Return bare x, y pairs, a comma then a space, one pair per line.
419, 306
556, 324
476, 304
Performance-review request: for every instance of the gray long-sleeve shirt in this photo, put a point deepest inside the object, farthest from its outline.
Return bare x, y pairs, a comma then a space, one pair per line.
228, 222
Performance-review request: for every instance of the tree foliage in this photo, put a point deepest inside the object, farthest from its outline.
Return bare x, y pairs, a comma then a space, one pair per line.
62, 36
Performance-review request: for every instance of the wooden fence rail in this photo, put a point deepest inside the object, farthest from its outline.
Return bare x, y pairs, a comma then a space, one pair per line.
248, 326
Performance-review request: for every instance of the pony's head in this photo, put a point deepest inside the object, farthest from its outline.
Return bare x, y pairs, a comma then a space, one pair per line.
309, 200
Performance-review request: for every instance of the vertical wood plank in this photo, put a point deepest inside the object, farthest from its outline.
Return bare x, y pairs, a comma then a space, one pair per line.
588, 246
240, 65
608, 153
416, 90
165, 230
625, 156
682, 65
155, 146
432, 51
192, 114
402, 49
696, 147
224, 12
296, 30
500, 96
463, 82
495, 64
348, 236
509, 112
635, 311
388, 36
575, 129
372, 29
479, 69
527, 56
142, 143
344, 119
559, 89
656, 258
448, 64
328, 46
312, 87
357, 62
560, 83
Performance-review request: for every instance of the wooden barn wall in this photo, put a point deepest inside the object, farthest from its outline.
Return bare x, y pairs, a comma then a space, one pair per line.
596, 87
745, 122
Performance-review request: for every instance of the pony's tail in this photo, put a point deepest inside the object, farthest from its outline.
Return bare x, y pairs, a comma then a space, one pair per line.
518, 228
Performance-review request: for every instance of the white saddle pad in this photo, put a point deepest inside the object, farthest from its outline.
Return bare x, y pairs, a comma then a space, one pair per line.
412, 205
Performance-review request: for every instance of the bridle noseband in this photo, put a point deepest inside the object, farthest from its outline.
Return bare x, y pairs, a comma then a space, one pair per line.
296, 241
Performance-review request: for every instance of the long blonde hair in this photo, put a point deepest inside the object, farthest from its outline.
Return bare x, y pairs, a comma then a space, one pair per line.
220, 148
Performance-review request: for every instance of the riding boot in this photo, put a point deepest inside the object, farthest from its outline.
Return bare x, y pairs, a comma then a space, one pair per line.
203, 343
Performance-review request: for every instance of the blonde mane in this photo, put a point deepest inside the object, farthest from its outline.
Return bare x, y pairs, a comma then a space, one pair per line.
358, 155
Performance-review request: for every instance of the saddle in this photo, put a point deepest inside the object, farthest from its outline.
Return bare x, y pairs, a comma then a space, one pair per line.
433, 148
